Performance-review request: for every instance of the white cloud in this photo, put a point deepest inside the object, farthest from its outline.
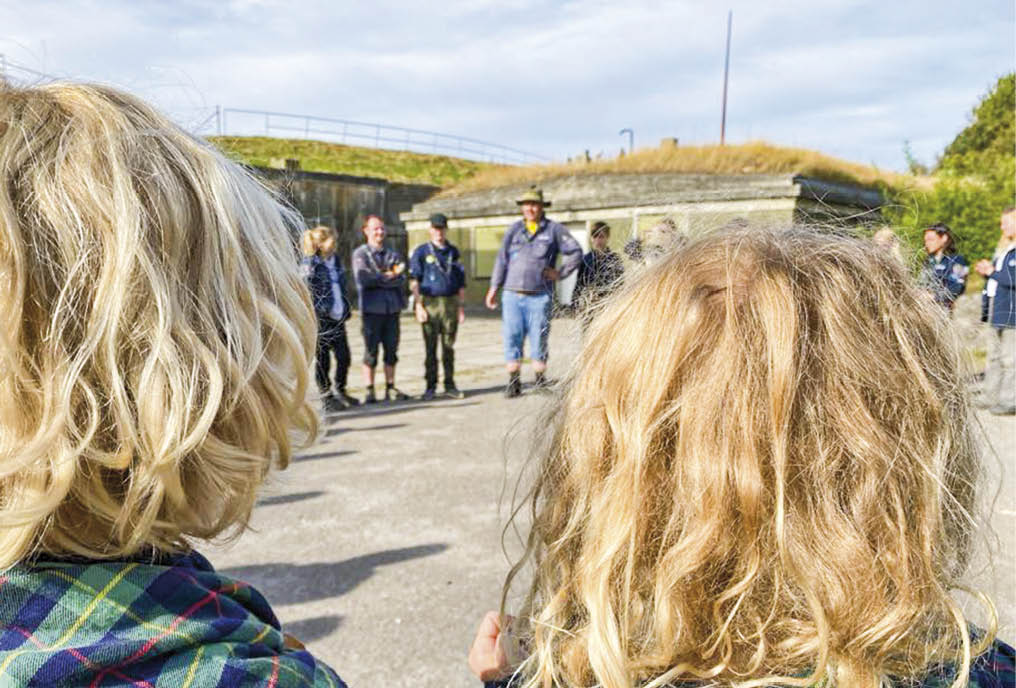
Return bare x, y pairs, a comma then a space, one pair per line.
556, 77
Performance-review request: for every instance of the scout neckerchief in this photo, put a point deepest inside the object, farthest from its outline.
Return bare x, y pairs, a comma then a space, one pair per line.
447, 270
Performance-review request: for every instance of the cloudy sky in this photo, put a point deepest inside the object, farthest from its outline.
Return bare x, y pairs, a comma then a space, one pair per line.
853, 79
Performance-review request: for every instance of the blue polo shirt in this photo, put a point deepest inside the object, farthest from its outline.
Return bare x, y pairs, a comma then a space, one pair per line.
437, 269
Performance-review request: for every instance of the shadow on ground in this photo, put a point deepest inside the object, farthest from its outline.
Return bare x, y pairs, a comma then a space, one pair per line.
288, 498
315, 628
320, 455
332, 432
287, 583
400, 407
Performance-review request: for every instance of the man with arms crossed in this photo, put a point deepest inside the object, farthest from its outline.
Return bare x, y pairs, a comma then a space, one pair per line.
438, 283
525, 269
380, 275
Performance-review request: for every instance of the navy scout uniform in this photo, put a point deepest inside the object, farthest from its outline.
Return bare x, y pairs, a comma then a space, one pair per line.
440, 276
949, 275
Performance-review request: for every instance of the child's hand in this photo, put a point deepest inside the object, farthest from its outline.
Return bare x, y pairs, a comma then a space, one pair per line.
487, 658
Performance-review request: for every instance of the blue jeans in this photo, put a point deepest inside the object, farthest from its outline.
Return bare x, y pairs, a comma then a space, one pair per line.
522, 315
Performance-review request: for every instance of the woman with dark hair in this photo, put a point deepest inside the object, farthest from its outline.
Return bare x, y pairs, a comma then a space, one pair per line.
947, 270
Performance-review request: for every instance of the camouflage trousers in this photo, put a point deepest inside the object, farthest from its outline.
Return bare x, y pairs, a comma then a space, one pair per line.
442, 325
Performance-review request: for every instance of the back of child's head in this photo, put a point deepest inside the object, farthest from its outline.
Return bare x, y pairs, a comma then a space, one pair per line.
155, 335
760, 471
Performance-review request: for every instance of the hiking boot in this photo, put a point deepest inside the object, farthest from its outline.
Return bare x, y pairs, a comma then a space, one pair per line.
393, 393
541, 383
428, 395
454, 392
514, 388
369, 397
347, 400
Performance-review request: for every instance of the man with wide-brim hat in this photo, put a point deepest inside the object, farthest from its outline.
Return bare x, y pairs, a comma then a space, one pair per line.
526, 270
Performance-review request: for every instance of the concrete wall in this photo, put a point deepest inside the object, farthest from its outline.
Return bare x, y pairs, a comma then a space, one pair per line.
631, 204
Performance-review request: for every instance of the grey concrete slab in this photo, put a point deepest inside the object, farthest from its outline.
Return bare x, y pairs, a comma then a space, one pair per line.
380, 546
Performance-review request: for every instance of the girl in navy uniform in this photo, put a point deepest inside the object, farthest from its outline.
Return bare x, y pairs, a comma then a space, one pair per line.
327, 282
947, 269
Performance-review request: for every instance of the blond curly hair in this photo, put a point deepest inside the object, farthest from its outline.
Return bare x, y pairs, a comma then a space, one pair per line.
155, 335
767, 479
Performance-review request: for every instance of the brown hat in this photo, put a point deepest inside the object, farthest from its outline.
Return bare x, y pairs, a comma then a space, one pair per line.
533, 195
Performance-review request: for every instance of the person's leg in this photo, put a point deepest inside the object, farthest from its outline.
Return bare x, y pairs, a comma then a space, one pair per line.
371, 340
450, 328
430, 337
343, 358
390, 341
538, 328
513, 327
322, 361
1006, 394
989, 393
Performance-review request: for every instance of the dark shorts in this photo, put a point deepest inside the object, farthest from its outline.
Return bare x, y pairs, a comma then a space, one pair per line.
380, 329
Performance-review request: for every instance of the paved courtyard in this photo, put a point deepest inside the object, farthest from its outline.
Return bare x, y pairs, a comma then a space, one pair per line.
380, 547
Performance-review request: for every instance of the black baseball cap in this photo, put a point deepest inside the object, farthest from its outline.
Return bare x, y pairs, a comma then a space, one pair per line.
438, 220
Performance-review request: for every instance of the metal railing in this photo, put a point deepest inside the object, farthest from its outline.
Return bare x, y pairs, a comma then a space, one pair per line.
243, 122
236, 121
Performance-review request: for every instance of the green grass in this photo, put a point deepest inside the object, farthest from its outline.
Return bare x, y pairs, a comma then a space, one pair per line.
319, 156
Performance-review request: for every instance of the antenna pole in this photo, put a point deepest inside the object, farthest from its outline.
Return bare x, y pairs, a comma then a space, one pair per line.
726, 72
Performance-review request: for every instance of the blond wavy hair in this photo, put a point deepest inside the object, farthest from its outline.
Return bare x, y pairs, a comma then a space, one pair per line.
765, 478
155, 335
319, 238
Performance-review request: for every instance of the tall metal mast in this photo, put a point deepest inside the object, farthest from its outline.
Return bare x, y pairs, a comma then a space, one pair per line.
726, 72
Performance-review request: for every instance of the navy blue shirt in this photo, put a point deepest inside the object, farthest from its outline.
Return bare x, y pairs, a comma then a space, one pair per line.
999, 295
437, 269
949, 275
377, 293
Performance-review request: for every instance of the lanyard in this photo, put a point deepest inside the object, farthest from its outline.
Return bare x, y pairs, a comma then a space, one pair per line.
447, 270
370, 258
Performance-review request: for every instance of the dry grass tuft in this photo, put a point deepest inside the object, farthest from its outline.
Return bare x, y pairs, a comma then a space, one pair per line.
756, 157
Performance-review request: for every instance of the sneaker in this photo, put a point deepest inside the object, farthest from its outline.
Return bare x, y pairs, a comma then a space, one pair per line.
428, 395
333, 404
1001, 410
369, 397
393, 393
454, 392
348, 400
514, 388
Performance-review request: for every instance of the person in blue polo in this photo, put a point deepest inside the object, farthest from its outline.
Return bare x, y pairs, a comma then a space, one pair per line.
947, 270
999, 311
438, 283
525, 268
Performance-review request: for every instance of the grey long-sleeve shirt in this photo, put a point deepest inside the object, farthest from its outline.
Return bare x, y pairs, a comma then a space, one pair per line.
377, 293
523, 256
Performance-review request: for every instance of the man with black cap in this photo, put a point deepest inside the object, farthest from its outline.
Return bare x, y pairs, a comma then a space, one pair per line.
438, 283
525, 268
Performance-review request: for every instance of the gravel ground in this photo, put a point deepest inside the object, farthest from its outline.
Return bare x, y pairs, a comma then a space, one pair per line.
380, 547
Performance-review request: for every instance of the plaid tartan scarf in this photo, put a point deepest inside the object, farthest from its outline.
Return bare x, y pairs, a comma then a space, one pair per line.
172, 623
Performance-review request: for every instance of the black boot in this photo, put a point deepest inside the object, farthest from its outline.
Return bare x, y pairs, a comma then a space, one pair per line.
541, 383
514, 388
348, 400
